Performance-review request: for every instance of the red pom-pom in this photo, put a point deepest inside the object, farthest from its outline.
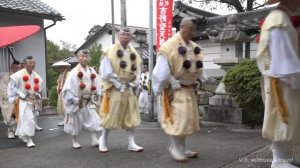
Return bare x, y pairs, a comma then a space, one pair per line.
36, 88
27, 86
36, 80
93, 76
257, 38
261, 22
80, 74
296, 21
93, 88
25, 78
82, 86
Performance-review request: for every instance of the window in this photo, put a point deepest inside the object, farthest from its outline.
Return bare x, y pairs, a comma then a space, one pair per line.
5, 58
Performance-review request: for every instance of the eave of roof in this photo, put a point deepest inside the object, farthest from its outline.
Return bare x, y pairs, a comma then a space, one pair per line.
35, 8
43, 16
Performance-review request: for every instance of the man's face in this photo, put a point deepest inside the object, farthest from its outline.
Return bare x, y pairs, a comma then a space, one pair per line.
83, 59
62, 69
30, 65
188, 30
15, 67
145, 69
124, 37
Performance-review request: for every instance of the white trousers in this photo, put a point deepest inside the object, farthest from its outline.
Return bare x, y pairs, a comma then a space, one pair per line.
85, 118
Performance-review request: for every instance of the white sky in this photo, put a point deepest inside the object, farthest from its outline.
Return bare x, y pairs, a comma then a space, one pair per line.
81, 16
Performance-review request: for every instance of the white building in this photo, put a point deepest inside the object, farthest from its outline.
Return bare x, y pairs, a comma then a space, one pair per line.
27, 12
104, 37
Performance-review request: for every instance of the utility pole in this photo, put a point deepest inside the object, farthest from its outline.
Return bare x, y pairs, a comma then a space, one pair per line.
123, 13
150, 66
113, 22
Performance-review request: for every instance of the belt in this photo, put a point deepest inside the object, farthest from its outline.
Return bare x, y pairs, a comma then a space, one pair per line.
186, 86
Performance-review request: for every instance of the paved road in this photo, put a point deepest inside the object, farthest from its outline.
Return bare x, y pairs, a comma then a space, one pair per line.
218, 147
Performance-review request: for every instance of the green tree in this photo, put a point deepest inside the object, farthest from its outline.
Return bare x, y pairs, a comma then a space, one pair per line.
237, 5
56, 53
95, 54
243, 84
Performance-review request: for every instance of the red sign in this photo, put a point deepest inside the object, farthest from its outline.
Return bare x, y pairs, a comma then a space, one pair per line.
163, 21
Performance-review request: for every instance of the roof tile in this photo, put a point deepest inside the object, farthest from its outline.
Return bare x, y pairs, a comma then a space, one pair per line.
30, 7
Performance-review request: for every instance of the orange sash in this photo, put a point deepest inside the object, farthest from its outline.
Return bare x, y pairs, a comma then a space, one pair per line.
16, 110
282, 108
105, 101
166, 107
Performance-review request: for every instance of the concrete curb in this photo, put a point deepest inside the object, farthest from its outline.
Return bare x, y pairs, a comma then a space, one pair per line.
48, 110
217, 124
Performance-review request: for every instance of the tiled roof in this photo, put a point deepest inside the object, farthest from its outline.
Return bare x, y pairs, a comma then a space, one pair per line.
213, 25
248, 22
182, 10
31, 8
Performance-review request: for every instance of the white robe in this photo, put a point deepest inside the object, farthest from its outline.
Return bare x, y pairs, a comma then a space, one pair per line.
16, 89
285, 65
6, 107
143, 97
86, 117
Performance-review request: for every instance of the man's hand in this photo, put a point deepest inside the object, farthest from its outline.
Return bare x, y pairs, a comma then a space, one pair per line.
117, 84
197, 85
175, 84
115, 80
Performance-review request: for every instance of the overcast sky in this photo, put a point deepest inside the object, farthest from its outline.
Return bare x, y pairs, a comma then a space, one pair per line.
82, 15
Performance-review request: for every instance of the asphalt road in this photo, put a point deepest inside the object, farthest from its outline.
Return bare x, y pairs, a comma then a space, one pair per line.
218, 147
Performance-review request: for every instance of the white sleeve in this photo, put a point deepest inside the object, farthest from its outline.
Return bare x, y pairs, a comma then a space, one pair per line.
285, 63
13, 92
69, 98
160, 75
284, 59
106, 69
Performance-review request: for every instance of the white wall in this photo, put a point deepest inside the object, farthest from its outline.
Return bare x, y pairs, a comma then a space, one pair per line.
211, 51
34, 45
106, 40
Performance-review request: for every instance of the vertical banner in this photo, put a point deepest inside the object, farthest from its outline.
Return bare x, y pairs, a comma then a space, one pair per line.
163, 21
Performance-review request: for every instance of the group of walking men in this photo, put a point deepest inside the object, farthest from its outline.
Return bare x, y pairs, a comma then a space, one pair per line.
105, 101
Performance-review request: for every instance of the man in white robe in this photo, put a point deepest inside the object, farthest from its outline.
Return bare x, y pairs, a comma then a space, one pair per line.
81, 97
6, 107
143, 97
24, 90
63, 68
278, 59
176, 75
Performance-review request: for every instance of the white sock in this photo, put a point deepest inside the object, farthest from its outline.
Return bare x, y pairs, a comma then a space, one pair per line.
94, 139
76, 144
281, 155
131, 143
103, 140
30, 142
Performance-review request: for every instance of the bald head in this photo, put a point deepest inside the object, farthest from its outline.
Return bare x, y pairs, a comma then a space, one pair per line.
29, 63
15, 66
124, 37
83, 57
188, 27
